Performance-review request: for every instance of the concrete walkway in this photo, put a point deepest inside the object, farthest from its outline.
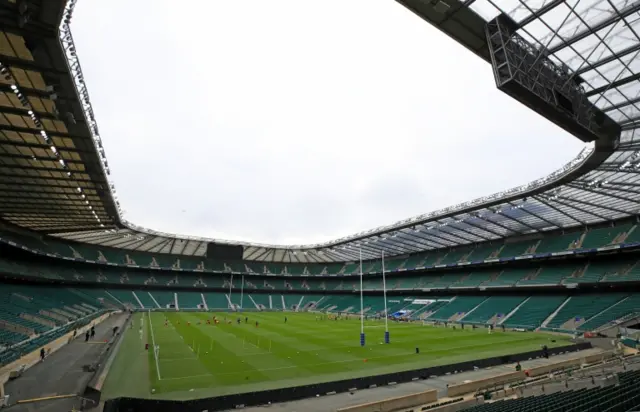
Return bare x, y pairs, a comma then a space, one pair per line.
61, 373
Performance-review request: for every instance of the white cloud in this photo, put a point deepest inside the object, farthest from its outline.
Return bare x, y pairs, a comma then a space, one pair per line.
294, 122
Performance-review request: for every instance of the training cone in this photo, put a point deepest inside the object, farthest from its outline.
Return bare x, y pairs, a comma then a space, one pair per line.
365, 360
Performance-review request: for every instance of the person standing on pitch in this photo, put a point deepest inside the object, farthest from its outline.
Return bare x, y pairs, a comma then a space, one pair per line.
285, 319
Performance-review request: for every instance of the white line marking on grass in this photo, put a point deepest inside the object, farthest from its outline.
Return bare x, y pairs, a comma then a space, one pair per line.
187, 377
153, 342
179, 359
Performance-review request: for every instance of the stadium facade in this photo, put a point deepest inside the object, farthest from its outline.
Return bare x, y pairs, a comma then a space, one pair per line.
532, 257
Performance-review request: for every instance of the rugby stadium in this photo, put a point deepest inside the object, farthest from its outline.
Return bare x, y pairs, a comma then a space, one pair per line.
526, 299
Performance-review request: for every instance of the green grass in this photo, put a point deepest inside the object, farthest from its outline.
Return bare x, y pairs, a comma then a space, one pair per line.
235, 358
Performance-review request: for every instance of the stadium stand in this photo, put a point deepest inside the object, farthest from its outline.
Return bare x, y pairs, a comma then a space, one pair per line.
624, 396
533, 312
560, 253
578, 241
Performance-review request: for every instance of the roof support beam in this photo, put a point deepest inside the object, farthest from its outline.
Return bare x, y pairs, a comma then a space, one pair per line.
145, 242
541, 12
386, 244
50, 133
63, 230
622, 104
617, 169
440, 229
437, 233
25, 112
590, 30
32, 65
253, 253
429, 238
548, 204
612, 57
599, 206
628, 146
537, 216
570, 203
127, 244
43, 94
518, 221
466, 221
608, 187
45, 146
597, 192
413, 237
157, 248
184, 246
631, 123
475, 235
63, 179
53, 158
92, 237
199, 245
613, 85
508, 229
457, 235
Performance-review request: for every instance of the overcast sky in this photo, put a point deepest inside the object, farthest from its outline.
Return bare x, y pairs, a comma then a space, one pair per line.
292, 121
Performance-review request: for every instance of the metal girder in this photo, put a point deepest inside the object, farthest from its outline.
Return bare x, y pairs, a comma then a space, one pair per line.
635, 7
537, 216
541, 12
618, 83
611, 58
571, 203
622, 104
548, 204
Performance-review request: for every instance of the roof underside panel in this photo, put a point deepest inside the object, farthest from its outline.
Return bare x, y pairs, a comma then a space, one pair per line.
51, 175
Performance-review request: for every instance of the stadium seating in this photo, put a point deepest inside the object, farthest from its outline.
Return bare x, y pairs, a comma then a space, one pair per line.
577, 309
625, 306
548, 275
457, 308
31, 316
216, 300
507, 277
493, 309
189, 300
145, 300
582, 240
622, 397
533, 312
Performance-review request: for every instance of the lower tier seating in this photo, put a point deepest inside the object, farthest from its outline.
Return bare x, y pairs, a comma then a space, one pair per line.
32, 315
615, 398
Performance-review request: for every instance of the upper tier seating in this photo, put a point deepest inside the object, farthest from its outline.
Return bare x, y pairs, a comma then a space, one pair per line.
592, 238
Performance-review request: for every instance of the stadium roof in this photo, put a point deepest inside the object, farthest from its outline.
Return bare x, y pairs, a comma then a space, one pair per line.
595, 39
52, 175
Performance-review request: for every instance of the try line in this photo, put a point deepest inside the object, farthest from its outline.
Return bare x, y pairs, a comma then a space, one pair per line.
153, 342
